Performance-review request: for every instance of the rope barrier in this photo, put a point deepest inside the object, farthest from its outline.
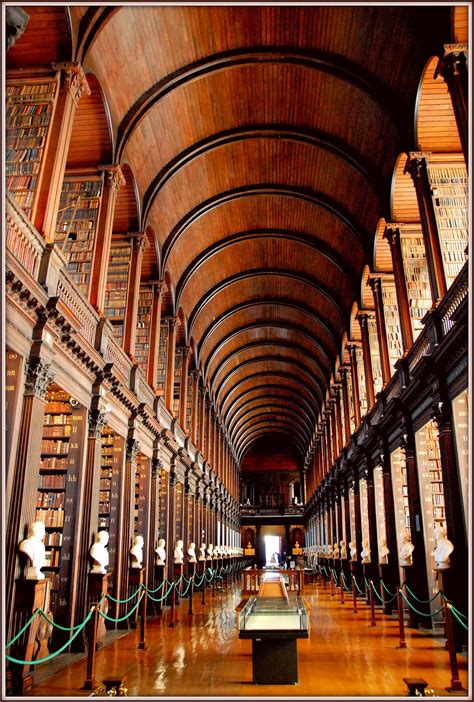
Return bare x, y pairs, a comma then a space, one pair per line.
157, 588
140, 587
421, 614
464, 626
126, 616
198, 584
464, 616
417, 598
387, 590
25, 627
163, 597
212, 573
356, 584
183, 594
56, 653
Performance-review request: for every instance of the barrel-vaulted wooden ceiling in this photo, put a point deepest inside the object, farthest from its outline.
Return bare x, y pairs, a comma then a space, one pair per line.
262, 141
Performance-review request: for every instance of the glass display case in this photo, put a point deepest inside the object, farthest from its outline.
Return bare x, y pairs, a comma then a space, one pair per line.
274, 624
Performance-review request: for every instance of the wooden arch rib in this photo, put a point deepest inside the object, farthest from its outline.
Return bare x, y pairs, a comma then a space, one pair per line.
266, 358
275, 428
321, 248
267, 418
372, 89
283, 376
293, 389
259, 325
258, 344
311, 282
313, 197
284, 394
284, 405
276, 303
311, 137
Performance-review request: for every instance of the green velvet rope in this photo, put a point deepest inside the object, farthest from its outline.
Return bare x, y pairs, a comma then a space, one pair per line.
421, 614
387, 590
140, 587
183, 594
198, 584
465, 627
126, 616
417, 598
56, 653
356, 584
157, 588
163, 597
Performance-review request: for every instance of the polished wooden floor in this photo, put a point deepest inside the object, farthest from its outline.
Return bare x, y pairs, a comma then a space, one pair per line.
203, 656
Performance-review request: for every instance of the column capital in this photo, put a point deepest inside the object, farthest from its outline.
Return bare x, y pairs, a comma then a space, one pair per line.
39, 375
392, 233
416, 162
173, 322
74, 78
159, 287
133, 449
139, 240
454, 56
186, 351
97, 419
363, 316
115, 177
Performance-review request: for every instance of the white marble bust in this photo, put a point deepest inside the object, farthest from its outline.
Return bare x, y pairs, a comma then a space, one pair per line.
192, 552
99, 553
443, 550
335, 551
210, 552
161, 552
33, 547
178, 554
202, 552
343, 551
383, 550
365, 553
406, 550
137, 551
353, 550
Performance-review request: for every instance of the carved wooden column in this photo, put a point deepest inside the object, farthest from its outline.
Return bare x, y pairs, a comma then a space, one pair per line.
73, 85
183, 392
173, 479
391, 570
169, 387
375, 283
126, 517
373, 570
340, 442
194, 407
417, 167
89, 509
209, 415
151, 541
158, 289
139, 243
343, 371
114, 180
363, 317
392, 234
352, 348
22, 503
202, 417
453, 68
357, 536
332, 416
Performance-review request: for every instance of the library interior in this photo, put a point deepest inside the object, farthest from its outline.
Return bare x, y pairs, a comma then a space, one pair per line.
236, 350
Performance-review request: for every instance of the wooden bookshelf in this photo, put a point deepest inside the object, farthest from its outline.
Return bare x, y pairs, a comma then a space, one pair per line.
460, 406
364, 510
57, 494
142, 341
162, 359
190, 525
179, 510
375, 354
361, 377
163, 505
105, 487
28, 114
178, 364
189, 405
400, 496
392, 322
417, 278
352, 518
379, 509
450, 191
116, 289
76, 225
140, 496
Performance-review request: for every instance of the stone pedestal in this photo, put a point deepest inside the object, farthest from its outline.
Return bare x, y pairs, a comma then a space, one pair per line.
135, 579
97, 587
32, 644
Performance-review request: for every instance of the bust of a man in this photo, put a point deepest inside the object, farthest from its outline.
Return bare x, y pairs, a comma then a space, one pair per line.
161, 552
99, 553
33, 547
365, 553
192, 552
210, 552
406, 550
202, 552
443, 550
343, 551
383, 550
353, 550
137, 551
335, 551
178, 554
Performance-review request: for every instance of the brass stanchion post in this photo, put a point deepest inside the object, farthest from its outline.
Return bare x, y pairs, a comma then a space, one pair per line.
89, 681
401, 623
456, 684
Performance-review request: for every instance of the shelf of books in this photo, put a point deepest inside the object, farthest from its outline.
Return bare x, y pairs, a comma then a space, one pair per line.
162, 359
189, 405
361, 377
116, 288
163, 504
430, 479
364, 511
28, 114
76, 225
105, 486
400, 496
142, 341
450, 191
460, 405
392, 321
352, 518
375, 354
57, 497
379, 509
416, 276
141, 504
178, 364
179, 490
190, 536
351, 402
